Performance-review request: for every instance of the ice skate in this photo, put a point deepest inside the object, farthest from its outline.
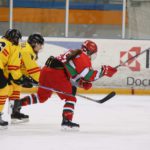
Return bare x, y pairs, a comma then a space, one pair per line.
3, 124
17, 117
68, 125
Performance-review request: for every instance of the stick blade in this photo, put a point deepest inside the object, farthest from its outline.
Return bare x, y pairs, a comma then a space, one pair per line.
109, 96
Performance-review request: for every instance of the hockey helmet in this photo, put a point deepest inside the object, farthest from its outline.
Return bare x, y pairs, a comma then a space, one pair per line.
89, 47
35, 38
13, 35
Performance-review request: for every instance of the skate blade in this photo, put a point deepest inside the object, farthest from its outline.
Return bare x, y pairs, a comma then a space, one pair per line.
69, 129
3, 127
17, 121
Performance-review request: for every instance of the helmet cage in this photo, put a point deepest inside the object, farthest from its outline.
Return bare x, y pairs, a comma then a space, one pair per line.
89, 47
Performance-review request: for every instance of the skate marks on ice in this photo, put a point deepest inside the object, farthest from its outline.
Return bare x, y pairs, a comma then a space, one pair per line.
120, 124
31, 129
122, 115
90, 136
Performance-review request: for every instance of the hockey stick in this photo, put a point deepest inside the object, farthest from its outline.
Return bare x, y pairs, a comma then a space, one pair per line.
100, 101
112, 94
121, 64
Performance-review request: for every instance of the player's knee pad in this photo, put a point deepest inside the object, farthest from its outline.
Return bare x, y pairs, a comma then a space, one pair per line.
42, 99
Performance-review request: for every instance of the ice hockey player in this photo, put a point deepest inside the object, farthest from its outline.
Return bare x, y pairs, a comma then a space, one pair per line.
9, 66
31, 70
59, 73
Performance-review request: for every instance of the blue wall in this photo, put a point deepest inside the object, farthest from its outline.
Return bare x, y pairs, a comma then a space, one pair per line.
61, 5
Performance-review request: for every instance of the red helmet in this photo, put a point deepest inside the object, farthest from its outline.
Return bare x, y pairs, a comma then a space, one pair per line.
90, 47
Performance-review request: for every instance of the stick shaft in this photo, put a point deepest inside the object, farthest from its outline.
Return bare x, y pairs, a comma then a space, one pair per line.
79, 95
131, 58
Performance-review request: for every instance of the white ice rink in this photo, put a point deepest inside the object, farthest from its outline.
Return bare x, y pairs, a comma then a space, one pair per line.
122, 123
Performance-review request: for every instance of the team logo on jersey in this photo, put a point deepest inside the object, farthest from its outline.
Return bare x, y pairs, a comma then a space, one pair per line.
132, 64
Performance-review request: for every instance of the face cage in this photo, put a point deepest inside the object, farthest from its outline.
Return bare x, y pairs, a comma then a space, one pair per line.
89, 52
92, 55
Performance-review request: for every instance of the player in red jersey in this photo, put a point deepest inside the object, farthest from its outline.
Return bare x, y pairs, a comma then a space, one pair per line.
71, 68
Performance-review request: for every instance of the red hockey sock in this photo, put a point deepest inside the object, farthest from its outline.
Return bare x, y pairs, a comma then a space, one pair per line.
68, 109
28, 100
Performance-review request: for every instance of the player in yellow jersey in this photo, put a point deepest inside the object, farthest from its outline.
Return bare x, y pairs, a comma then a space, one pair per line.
30, 68
9, 66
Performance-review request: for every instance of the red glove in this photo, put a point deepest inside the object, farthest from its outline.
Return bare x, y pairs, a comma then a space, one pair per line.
108, 71
84, 84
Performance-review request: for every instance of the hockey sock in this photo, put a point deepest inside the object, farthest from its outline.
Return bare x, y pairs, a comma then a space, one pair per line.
28, 100
68, 110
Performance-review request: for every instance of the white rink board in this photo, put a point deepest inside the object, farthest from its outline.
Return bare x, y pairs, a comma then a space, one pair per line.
109, 53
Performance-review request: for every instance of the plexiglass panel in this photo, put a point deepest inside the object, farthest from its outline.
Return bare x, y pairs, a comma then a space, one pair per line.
4, 16
44, 16
95, 18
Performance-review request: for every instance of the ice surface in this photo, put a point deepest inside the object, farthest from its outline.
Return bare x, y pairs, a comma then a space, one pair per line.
122, 123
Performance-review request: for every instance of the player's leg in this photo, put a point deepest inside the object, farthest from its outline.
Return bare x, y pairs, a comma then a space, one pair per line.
41, 96
68, 112
69, 106
14, 98
3, 98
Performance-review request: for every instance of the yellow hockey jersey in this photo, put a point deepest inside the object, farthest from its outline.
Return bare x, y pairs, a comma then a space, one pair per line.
29, 66
10, 58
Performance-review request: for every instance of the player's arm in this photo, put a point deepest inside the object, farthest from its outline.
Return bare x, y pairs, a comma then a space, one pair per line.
93, 75
72, 54
14, 65
4, 53
87, 76
31, 66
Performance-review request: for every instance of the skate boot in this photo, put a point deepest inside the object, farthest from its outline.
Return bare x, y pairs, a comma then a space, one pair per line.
68, 125
17, 116
3, 124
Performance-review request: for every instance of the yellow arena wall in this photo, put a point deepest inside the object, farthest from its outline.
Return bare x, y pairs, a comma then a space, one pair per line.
39, 15
120, 91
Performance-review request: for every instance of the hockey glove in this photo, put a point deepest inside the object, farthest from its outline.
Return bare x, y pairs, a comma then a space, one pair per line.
23, 81
108, 71
84, 84
28, 82
3, 80
18, 81
49, 61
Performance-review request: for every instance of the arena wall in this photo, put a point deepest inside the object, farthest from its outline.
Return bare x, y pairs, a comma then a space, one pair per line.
132, 78
39, 15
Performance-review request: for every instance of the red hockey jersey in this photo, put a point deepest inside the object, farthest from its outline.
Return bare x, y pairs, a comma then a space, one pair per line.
79, 67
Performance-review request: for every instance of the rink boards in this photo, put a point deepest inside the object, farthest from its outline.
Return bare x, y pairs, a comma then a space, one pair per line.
131, 78
120, 91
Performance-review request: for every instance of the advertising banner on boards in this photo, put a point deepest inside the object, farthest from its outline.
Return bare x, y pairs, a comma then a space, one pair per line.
135, 73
